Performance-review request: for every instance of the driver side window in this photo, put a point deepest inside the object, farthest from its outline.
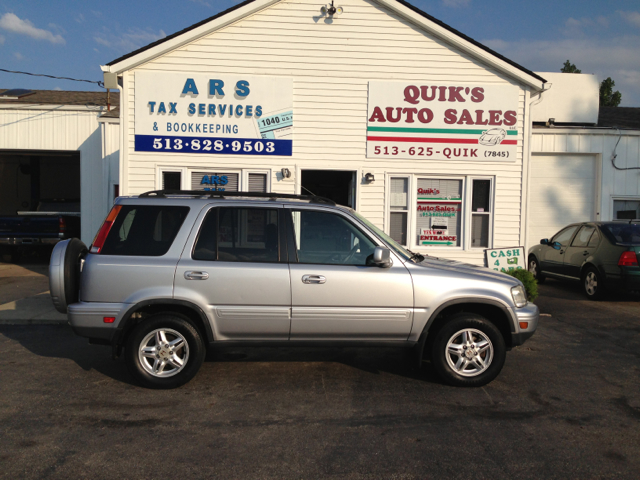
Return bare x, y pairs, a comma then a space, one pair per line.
565, 235
329, 239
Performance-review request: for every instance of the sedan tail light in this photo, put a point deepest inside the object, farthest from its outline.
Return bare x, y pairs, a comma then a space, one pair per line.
98, 242
628, 259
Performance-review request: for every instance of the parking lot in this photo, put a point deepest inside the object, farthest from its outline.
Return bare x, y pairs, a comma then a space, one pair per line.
566, 405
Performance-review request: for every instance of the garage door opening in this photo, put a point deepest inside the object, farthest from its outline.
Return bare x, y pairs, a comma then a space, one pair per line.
337, 185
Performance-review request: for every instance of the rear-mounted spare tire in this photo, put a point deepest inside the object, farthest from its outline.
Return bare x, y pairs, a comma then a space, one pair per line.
64, 272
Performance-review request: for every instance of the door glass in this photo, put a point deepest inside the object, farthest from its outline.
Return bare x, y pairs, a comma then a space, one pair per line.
583, 236
330, 239
564, 236
243, 235
595, 239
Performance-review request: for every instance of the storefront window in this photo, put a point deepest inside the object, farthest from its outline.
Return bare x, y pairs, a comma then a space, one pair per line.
439, 212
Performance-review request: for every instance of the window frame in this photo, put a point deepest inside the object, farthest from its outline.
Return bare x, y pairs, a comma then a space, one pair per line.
244, 178
292, 244
622, 198
160, 169
490, 213
282, 232
387, 204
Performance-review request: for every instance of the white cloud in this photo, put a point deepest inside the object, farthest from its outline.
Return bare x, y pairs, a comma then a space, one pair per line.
58, 89
18, 55
456, 3
13, 23
618, 58
79, 18
1, 39
632, 17
130, 41
202, 2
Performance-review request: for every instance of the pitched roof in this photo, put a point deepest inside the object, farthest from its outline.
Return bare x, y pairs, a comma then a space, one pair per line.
621, 117
64, 97
400, 2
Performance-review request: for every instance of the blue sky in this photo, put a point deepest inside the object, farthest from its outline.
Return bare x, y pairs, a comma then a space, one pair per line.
73, 38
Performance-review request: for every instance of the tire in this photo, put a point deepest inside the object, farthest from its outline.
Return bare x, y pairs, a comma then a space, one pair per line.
534, 268
468, 332
166, 367
64, 272
593, 284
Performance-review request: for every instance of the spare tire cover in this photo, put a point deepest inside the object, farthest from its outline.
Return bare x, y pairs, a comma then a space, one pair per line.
64, 273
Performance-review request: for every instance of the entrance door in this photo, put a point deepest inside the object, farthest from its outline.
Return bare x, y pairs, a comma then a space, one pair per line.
336, 185
336, 293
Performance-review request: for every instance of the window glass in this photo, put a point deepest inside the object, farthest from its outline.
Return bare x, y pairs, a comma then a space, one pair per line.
439, 212
564, 236
595, 239
479, 230
626, 209
171, 180
622, 233
144, 230
399, 203
330, 239
243, 235
398, 227
481, 199
583, 236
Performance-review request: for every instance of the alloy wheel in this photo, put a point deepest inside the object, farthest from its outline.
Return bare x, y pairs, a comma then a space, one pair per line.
469, 352
163, 353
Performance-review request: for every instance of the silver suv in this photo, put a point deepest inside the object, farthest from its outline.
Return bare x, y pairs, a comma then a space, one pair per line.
171, 274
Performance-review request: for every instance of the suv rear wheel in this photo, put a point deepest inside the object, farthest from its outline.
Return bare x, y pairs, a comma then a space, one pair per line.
164, 351
468, 351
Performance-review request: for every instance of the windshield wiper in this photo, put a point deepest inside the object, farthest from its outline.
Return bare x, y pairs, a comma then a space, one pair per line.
416, 256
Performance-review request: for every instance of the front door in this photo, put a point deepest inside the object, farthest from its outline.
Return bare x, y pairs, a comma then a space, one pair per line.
336, 294
237, 267
553, 253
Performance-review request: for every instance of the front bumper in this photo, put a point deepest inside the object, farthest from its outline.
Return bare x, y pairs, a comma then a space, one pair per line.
529, 314
87, 319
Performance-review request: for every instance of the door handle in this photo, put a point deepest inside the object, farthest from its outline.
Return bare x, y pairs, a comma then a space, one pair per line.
585, 253
196, 275
313, 279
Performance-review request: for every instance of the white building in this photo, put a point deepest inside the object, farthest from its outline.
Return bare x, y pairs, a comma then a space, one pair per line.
434, 137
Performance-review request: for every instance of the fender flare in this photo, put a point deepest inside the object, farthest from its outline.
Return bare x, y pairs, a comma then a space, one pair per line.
422, 340
125, 322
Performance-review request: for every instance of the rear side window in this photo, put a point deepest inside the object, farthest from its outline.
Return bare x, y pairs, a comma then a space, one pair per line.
239, 235
623, 233
144, 230
583, 236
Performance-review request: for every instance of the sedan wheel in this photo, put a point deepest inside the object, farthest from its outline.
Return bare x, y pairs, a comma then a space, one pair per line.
534, 268
593, 284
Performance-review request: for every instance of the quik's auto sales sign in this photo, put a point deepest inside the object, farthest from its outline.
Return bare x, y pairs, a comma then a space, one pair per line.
443, 121
213, 114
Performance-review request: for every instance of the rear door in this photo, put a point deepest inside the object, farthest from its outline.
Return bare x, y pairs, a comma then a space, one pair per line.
235, 263
580, 250
336, 292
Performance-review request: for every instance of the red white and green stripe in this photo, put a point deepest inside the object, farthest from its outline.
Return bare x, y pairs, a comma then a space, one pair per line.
432, 135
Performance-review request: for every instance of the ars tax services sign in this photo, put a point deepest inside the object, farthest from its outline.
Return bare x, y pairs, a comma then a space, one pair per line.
444, 121
213, 114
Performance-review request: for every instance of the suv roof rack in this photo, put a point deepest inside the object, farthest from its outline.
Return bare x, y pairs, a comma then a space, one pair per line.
223, 194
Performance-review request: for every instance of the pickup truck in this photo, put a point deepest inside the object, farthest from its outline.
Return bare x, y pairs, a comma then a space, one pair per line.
53, 220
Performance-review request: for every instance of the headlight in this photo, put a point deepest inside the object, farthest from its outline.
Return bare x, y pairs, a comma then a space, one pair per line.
519, 296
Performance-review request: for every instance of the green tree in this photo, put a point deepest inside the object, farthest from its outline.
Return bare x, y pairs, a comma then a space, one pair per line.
609, 98
569, 67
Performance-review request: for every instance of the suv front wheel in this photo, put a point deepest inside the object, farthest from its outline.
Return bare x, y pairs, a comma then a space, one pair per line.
164, 351
468, 351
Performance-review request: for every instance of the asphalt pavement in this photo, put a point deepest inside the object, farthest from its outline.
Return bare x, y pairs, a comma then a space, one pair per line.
566, 405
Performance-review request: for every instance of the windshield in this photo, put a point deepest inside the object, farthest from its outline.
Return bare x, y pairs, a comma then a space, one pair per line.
395, 246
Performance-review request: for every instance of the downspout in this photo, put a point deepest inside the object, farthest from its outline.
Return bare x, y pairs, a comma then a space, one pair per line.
546, 87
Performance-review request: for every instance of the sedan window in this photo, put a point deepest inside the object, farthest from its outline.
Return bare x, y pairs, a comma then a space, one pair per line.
583, 236
565, 235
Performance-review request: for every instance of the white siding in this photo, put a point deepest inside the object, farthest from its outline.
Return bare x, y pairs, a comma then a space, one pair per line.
331, 64
611, 183
60, 129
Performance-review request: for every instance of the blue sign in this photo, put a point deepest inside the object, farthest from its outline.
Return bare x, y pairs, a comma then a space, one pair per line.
208, 145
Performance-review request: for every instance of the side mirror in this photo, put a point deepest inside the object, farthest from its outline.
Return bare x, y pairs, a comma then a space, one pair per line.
544, 241
556, 245
382, 257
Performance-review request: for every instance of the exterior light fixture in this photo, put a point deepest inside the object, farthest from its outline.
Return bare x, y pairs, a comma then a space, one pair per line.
286, 173
330, 10
551, 122
369, 178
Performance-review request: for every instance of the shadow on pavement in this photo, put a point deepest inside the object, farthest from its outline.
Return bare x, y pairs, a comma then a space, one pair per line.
59, 341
